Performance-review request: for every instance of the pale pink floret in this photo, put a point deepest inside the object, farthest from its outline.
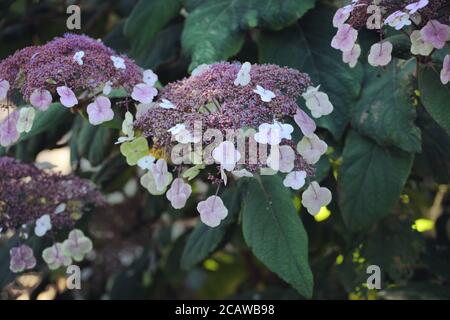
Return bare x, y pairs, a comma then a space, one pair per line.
282, 160
149, 77
295, 180
212, 211
305, 123
380, 54
351, 56
226, 155
398, 20
315, 197
178, 193
415, 6
144, 93
340, 17
22, 258
8, 130
4, 88
41, 99
445, 72
100, 111
67, 96
160, 174
311, 148
435, 33
345, 38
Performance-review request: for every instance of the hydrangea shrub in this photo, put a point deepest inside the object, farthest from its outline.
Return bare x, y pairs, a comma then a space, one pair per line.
304, 136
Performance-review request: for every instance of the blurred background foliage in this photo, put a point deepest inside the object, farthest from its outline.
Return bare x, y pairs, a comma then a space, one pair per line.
388, 167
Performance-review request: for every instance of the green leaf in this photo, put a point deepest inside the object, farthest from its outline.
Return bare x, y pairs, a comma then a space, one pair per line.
163, 48
93, 142
307, 48
435, 96
146, 19
434, 159
109, 171
214, 30
204, 240
275, 233
100, 145
370, 179
385, 111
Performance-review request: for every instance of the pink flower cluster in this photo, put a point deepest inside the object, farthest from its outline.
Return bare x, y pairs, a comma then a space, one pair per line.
239, 106
425, 21
75, 62
254, 102
28, 193
75, 70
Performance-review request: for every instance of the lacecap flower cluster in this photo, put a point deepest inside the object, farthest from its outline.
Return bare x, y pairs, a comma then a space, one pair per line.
34, 200
197, 123
426, 22
76, 71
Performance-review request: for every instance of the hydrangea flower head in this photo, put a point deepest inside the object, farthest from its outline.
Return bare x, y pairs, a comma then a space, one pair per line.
77, 62
255, 101
426, 22
46, 192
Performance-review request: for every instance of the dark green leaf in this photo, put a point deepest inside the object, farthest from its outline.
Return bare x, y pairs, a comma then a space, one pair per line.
371, 179
163, 48
93, 142
274, 232
435, 96
434, 159
385, 111
147, 18
214, 30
